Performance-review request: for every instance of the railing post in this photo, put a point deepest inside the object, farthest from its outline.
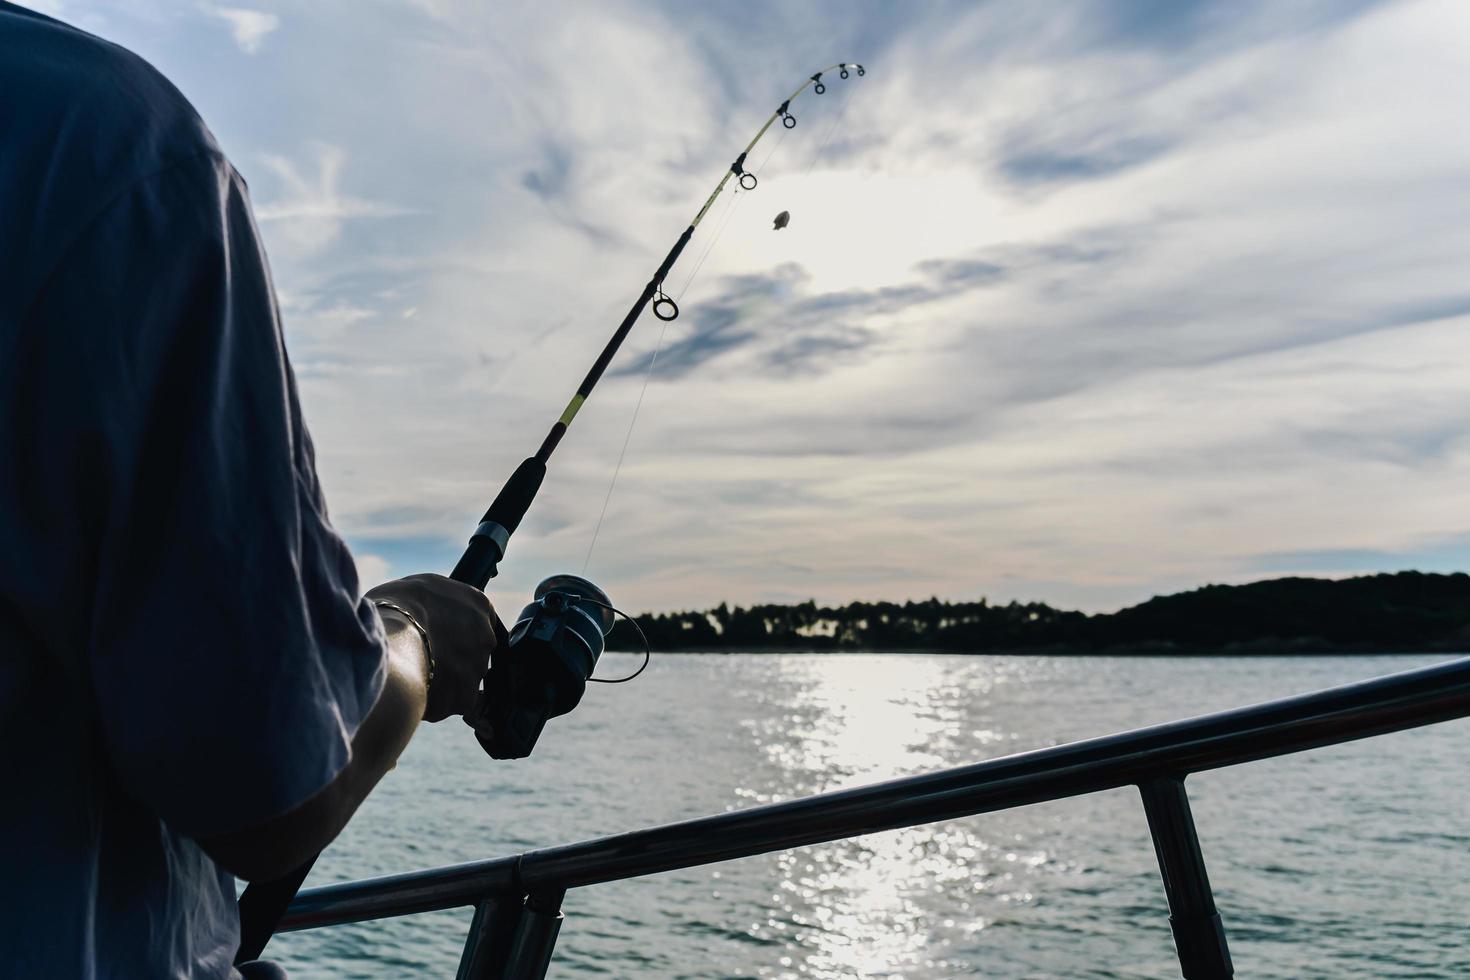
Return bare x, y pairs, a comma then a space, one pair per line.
1199, 935
512, 938
535, 936
488, 943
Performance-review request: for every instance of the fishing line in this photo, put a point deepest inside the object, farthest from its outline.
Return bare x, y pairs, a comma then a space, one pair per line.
772, 152
622, 454
842, 111
731, 205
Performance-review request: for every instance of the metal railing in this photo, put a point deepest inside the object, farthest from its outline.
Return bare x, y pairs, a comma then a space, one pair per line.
517, 900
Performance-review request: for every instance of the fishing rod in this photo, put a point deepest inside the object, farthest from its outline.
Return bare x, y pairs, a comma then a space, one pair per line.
540, 668
487, 545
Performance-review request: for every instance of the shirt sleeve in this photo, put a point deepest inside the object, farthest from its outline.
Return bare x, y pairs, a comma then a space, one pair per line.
230, 657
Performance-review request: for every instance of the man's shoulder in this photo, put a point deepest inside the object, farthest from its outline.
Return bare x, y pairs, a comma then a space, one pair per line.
81, 89
82, 121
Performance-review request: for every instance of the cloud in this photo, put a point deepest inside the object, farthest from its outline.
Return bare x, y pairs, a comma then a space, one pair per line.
1185, 27
716, 333
1437, 554
968, 271
795, 331
1100, 156
1082, 302
248, 27
798, 333
311, 208
550, 180
371, 569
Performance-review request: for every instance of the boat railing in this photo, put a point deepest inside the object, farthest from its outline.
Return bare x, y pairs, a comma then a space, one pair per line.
517, 899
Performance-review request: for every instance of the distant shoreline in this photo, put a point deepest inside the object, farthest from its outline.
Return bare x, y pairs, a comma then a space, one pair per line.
1403, 612
1033, 652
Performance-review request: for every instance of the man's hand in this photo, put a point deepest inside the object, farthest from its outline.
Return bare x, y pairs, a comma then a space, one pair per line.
462, 628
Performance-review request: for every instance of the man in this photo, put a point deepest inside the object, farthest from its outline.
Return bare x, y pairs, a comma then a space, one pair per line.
190, 688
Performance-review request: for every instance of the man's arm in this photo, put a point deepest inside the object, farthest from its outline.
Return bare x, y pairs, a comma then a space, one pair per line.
269, 850
460, 625
242, 690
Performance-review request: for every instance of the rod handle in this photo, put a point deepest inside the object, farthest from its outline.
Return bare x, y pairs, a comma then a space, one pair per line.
481, 558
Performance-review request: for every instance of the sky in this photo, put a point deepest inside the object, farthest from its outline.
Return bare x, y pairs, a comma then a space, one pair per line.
1080, 302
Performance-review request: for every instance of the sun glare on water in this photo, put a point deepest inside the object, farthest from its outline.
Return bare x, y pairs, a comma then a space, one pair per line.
858, 908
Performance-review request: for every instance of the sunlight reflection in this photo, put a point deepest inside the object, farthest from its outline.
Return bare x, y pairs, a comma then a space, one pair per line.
859, 907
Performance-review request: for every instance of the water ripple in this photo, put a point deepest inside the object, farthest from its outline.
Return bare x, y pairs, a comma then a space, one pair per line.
1348, 862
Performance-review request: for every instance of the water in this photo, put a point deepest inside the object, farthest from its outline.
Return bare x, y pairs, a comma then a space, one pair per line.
1349, 861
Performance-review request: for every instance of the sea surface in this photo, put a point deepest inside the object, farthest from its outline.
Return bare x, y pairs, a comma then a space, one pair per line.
1350, 861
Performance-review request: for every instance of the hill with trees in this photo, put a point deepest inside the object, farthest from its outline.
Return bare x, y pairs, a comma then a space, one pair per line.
1405, 611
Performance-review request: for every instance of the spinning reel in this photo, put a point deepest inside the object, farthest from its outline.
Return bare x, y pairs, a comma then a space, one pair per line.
542, 669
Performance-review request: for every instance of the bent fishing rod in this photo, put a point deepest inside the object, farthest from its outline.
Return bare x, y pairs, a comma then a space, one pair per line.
540, 668
487, 545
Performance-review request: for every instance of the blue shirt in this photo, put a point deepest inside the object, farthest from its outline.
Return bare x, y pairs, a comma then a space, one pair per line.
183, 652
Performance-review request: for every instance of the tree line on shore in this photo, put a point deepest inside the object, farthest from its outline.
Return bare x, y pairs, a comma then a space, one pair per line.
1405, 611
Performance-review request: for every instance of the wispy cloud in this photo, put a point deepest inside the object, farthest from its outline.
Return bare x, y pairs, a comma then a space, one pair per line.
1082, 301
1435, 554
371, 569
312, 208
248, 27
51, 8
